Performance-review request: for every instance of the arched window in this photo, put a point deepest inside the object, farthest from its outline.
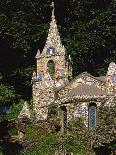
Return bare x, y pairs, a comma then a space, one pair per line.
92, 115
51, 67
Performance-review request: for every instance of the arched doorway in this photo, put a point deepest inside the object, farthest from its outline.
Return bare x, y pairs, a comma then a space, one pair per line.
92, 114
51, 68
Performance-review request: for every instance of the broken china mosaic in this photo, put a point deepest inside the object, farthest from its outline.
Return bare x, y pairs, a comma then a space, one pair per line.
44, 85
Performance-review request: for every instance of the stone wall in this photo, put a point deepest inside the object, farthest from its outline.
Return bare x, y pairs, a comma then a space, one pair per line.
43, 96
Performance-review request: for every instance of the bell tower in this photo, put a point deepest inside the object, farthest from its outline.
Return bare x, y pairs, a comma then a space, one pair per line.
52, 71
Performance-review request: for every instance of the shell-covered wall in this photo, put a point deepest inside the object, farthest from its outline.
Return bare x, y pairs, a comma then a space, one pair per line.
43, 95
44, 86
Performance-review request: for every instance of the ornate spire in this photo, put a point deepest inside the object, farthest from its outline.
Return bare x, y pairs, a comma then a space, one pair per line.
53, 40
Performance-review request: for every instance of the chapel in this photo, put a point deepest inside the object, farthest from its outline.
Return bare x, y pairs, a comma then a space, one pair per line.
52, 84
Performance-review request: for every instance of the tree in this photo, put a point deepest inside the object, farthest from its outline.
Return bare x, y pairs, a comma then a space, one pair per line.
89, 35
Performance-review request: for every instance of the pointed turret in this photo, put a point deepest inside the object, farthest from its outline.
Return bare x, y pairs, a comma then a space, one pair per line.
53, 44
52, 58
25, 112
38, 54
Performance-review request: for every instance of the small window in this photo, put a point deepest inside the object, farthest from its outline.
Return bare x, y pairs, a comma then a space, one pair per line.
51, 67
92, 115
51, 51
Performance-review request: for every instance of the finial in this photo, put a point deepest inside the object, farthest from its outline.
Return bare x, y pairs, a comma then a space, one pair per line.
53, 7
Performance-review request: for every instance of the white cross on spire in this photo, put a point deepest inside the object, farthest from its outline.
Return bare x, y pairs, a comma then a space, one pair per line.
53, 7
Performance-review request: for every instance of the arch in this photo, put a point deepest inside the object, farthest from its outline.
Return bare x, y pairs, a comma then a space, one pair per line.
51, 67
92, 114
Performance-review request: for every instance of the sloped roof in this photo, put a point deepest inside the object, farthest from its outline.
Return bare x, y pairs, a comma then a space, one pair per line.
86, 90
101, 78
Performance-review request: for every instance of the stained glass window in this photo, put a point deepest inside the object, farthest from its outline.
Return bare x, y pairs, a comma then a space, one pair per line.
92, 115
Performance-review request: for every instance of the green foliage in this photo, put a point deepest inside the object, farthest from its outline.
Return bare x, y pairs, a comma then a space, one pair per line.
7, 99
13, 112
46, 146
47, 142
90, 35
15, 109
35, 131
7, 94
52, 111
24, 75
21, 24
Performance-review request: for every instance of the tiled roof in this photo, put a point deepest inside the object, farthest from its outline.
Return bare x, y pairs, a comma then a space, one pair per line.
101, 78
87, 90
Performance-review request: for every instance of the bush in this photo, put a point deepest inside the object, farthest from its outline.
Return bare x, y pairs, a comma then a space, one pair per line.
44, 145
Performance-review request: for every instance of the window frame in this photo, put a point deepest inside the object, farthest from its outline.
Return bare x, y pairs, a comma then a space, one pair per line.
92, 104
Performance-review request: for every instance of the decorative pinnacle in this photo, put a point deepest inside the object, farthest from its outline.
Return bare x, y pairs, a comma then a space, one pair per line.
52, 5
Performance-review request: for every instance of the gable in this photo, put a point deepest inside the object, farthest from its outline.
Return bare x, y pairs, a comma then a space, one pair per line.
83, 78
86, 78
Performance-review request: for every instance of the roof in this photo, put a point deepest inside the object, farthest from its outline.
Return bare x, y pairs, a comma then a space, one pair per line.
84, 92
101, 78
84, 89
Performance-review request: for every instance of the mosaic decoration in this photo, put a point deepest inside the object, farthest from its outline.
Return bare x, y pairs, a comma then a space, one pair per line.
111, 78
114, 78
25, 112
40, 74
51, 51
40, 68
53, 40
45, 60
57, 58
63, 49
62, 72
34, 75
81, 111
51, 98
48, 90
